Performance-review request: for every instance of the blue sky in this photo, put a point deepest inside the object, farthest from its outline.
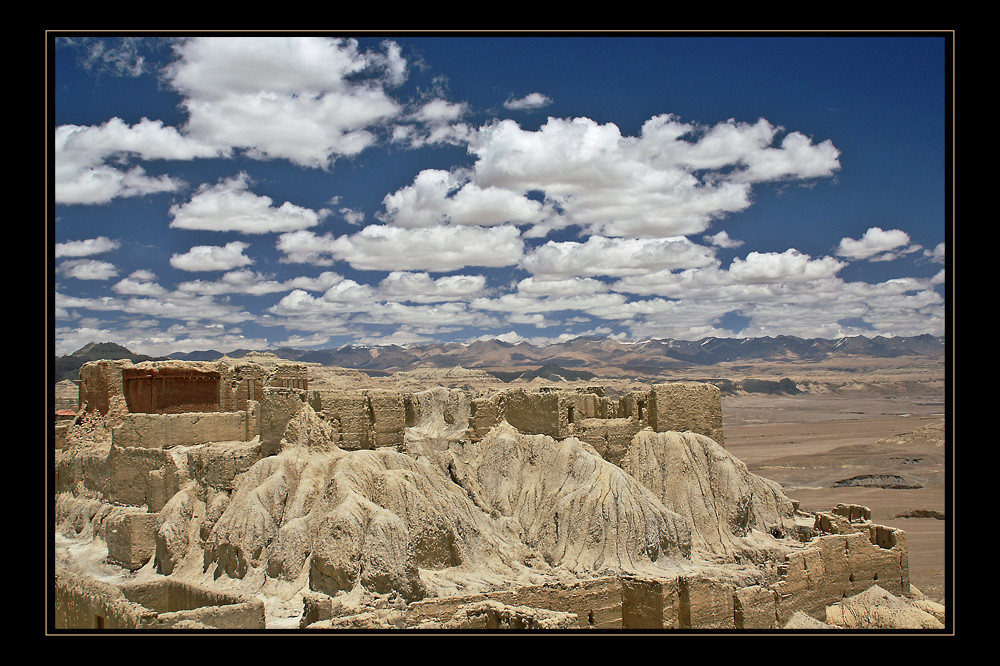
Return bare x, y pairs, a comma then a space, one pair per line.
224, 192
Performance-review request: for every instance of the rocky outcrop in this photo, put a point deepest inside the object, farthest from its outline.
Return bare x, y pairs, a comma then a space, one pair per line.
371, 517
875, 608
580, 511
378, 518
732, 512
387, 500
878, 481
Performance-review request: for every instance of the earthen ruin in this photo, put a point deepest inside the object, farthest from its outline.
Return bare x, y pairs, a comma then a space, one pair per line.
434, 509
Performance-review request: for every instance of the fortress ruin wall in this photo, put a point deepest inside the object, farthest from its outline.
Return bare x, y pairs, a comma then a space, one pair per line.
238, 415
84, 603
828, 569
599, 420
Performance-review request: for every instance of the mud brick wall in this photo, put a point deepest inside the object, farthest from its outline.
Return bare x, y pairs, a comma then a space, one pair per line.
163, 484
755, 607
217, 465
677, 406
484, 413
824, 572
99, 381
158, 431
347, 412
277, 407
81, 602
176, 601
130, 536
650, 603
388, 412
841, 565
583, 405
685, 406
609, 437
248, 384
435, 609
289, 375
170, 390
597, 603
130, 473
495, 615
635, 405
161, 387
87, 465
706, 603
853, 512
695, 602
363, 419
536, 413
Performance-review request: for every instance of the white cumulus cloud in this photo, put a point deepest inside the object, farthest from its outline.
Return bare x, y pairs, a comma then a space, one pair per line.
380, 247
92, 164
877, 244
306, 99
212, 257
674, 179
441, 197
535, 100
230, 206
615, 257
85, 248
88, 269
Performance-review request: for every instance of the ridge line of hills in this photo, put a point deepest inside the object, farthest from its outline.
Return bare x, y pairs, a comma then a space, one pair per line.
579, 355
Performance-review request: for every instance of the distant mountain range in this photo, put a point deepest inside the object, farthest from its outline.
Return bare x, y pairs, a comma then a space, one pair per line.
581, 355
68, 366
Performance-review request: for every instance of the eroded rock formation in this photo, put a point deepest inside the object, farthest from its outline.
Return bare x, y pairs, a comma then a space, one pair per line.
443, 500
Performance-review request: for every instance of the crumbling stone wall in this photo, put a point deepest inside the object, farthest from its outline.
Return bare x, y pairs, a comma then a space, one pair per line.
130, 535
159, 431
594, 418
289, 375
609, 437
130, 471
596, 602
82, 602
99, 381
685, 406
362, 419
824, 572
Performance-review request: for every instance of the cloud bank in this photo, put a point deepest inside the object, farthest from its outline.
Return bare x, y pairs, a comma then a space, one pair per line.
571, 226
